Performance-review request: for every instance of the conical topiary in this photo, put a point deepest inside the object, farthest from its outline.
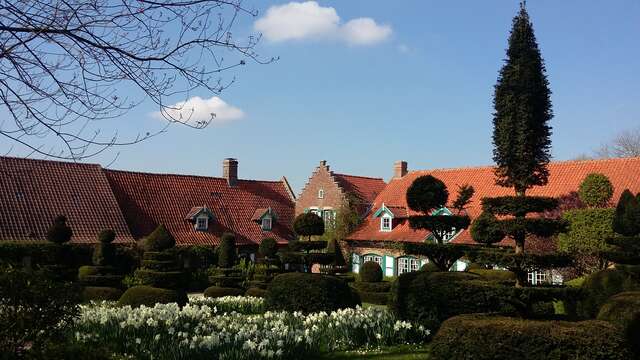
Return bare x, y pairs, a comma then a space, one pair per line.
159, 240
59, 232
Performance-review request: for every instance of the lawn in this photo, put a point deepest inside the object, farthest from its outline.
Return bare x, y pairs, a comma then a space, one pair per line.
401, 352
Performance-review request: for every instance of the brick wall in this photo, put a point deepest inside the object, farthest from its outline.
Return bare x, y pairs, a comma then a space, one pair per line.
320, 179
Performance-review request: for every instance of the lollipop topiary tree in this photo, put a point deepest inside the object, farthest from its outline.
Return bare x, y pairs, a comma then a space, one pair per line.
101, 280
626, 223
305, 253
59, 232
429, 196
226, 276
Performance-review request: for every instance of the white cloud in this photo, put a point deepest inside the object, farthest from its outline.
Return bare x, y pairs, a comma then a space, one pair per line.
196, 111
309, 20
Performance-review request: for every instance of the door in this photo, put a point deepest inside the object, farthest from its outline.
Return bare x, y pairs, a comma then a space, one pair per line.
389, 261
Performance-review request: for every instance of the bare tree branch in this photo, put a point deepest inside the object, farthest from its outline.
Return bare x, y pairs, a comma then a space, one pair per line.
625, 144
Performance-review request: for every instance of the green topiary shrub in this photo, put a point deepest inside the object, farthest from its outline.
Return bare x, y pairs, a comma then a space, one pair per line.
309, 293
623, 310
102, 280
160, 239
378, 287
256, 292
106, 236
227, 253
59, 232
101, 293
268, 248
596, 190
378, 298
600, 286
430, 267
86, 270
149, 296
371, 272
103, 254
432, 297
216, 291
161, 279
495, 275
482, 337
308, 224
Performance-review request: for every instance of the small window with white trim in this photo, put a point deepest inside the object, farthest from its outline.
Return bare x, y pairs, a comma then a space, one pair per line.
266, 224
385, 223
407, 264
202, 223
374, 258
321, 194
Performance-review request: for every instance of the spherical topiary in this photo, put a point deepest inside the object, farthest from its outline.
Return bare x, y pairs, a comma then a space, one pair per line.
217, 291
600, 286
427, 193
309, 293
160, 239
596, 190
268, 248
486, 229
430, 267
59, 232
256, 292
308, 224
149, 296
106, 236
101, 293
227, 253
371, 272
623, 310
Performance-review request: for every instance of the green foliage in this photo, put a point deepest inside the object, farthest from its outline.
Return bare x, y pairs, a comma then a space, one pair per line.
486, 229
370, 272
158, 256
585, 238
227, 252
430, 267
623, 310
378, 298
626, 221
508, 259
308, 224
160, 265
268, 248
87, 270
300, 245
439, 225
59, 232
33, 309
596, 190
333, 247
106, 236
465, 193
309, 293
378, 287
217, 291
484, 337
600, 286
159, 240
494, 275
518, 205
149, 296
256, 292
427, 193
346, 221
442, 256
103, 254
100, 293
522, 102
161, 279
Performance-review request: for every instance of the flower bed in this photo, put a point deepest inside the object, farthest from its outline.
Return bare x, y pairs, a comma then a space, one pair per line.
216, 329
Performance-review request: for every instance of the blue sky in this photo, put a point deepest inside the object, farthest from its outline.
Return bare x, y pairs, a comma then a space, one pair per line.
420, 89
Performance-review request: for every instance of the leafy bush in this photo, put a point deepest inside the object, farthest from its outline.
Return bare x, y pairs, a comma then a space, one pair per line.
585, 238
227, 253
308, 224
161, 279
160, 265
494, 275
623, 310
33, 309
372, 286
481, 337
103, 254
430, 267
600, 286
59, 232
427, 193
217, 291
309, 293
102, 280
101, 293
256, 292
268, 248
370, 272
106, 236
596, 190
160, 239
87, 270
149, 296
378, 298
432, 297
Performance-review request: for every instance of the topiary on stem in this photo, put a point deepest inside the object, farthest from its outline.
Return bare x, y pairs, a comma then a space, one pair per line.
626, 222
159, 240
268, 248
308, 224
59, 232
227, 253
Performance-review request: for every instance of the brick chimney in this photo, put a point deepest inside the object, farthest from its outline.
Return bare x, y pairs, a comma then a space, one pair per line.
399, 169
323, 163
230, 171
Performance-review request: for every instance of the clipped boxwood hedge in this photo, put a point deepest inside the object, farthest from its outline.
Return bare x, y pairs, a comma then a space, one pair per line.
378, 298
216, 291
102, 280
101, 293
149, 296
160, 265
482, 337
371, 272
162, 279
158, 255
256, 292
310, 293
623, 310
600, 286
495, 275
382, 286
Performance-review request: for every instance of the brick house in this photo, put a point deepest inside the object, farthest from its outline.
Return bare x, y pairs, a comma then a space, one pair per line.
387, 223
326, 192
196, 210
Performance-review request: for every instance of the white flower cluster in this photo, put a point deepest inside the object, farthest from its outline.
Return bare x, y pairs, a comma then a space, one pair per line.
201, 330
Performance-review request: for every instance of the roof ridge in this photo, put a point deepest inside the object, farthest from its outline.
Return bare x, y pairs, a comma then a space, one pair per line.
359, 176
55, 161
188, 175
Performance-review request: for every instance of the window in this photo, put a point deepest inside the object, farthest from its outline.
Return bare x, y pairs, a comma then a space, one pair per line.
328, 216
321, 194
374, 258
202, 223
355, 263
448, 236
385, 223
266, 223
537, 278
407, 264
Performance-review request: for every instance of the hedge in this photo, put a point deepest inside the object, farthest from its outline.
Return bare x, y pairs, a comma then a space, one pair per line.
623, 310
166, 255
378, 298
256, 292
383, 286
217, 291
310, 293
162, 279
371, 272
494, 275
149, 296
482, 337
102, 280
101, 293
600, 286
160, 265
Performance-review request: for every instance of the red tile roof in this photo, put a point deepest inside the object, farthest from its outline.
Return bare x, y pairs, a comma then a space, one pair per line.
34, 192
148, 200
565, 177
365, 188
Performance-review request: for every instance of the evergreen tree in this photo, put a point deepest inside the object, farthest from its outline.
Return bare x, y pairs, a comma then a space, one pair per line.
626, 223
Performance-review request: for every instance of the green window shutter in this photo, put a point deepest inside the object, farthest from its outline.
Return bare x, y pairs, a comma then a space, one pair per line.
306, 210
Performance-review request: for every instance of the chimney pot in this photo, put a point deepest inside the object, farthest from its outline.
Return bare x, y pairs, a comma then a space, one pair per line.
230, 171
399, 169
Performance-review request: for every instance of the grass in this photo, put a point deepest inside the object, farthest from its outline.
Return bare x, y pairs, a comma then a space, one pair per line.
400, 352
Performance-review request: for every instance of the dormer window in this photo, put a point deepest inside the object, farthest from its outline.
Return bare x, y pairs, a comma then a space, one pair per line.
385, 223
199, 216
202, 223
321, 194
266, 224
265, 218
389, 214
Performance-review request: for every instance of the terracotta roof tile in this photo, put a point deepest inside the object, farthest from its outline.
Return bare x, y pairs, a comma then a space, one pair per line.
565, 177
366, 188
33, 192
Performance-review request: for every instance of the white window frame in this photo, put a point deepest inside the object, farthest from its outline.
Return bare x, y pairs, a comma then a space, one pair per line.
321, 194
328, 216
374, 258
266, 223
408, 264
202, 223
537, 277
355, 263
388, 226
